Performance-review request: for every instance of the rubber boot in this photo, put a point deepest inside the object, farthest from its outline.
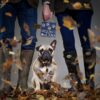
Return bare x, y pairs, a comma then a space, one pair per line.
26, 59
90, 63
73, 67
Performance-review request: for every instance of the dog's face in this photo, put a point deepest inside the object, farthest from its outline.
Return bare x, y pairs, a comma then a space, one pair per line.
46, 53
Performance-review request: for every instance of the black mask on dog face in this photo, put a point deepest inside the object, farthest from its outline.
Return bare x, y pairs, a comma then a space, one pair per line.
45, 58
46, 53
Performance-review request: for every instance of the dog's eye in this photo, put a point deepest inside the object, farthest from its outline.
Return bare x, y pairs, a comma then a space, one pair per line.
41, 50
50, 50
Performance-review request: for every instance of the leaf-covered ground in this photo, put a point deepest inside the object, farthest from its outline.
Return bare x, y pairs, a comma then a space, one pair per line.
55, 93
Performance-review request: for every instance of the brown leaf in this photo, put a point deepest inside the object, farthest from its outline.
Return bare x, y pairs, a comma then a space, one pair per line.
26, 28
18, 64
7, 82
4, 1
7, 64
29, 41
66, 1
2, 29
22, 97
98, 38
77, 5
14, 42
92, 37
8, 14
69, 23
87, 5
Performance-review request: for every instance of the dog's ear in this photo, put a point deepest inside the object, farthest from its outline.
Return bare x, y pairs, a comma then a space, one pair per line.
53, 44
37, 48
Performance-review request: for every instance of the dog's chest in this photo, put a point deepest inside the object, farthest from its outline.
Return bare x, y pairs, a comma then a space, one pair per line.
45, 73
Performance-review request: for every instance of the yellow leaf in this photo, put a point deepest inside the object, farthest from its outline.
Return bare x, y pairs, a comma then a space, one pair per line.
77, 5
74, 98
7, 82
97, 48
69, 23
91, 66
91, 76
66, 1
40, 97
8, 14
87, 5
2, 29
22, 97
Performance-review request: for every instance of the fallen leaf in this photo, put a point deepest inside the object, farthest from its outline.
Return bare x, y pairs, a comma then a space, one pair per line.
98, 38
40, 97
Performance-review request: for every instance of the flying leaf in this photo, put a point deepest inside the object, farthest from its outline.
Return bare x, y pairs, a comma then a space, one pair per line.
69, 23
77, 5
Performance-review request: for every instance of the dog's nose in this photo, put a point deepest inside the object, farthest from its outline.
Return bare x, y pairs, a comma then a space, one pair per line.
46, 56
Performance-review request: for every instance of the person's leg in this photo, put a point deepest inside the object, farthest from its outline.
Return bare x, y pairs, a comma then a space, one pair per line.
70, 54
8, 22
84, 19
1, 50
27, 17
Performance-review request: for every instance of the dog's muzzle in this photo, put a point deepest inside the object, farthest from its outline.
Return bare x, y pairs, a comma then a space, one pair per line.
45, 58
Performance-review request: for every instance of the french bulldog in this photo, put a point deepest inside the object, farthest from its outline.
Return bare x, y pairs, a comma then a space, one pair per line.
44, 67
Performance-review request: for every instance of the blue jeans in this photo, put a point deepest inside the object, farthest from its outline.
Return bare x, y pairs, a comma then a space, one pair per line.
1, 17
27, 17
83, 18
2, 34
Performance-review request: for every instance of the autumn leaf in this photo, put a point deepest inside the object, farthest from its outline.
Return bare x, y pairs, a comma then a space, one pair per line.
40, 97
97, 48
87, 5
26, 28
92, 37
9, 14
12, 53
29, 41
66, 1
2, 30
18, 64
5, 1
98, 38
36, 26
7, 82
7, 64
14, 42
92, 65
22, 97
85, 39
69, 23
77, 5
